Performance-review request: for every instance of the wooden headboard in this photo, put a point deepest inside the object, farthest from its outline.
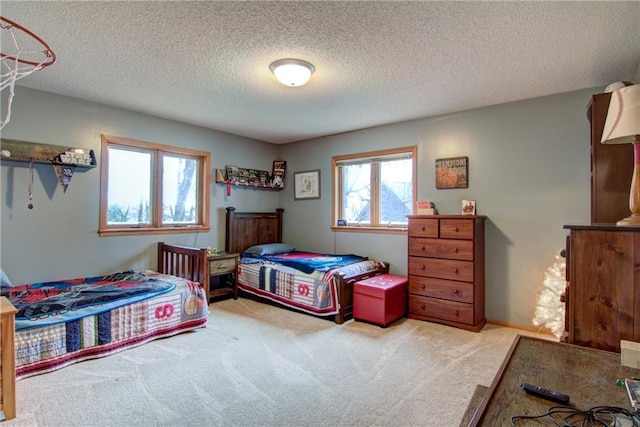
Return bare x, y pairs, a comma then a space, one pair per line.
246, 229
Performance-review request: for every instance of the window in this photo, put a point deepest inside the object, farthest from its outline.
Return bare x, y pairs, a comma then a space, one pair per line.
151, 189
375, 190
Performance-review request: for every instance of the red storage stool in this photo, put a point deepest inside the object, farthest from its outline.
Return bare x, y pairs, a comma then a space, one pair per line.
380, 299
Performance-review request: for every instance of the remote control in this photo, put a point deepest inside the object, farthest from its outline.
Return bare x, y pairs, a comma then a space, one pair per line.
545, 394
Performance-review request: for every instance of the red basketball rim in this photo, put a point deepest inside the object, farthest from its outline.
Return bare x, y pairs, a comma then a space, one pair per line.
48, 52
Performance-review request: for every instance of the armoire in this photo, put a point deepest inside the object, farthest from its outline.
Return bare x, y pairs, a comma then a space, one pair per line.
603, 284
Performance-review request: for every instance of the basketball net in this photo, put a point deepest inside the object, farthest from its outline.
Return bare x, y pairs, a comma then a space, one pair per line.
23, 53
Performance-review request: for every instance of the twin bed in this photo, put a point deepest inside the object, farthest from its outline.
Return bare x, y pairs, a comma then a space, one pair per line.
315, 283
64, 322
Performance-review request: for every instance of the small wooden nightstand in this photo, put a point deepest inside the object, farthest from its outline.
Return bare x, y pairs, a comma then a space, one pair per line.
223, 275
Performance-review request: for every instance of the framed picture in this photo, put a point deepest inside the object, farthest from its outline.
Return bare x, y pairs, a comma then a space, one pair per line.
452, 172
468, 207
306, 185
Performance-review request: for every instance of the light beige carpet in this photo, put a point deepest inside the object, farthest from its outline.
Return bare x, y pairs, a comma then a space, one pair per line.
260, 365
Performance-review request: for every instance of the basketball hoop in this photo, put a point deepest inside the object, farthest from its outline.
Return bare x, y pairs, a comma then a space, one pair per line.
30, 53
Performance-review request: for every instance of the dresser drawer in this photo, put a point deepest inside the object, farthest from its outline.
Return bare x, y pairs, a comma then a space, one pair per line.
456, 229
221, 266
440, 248
423, 227
441, 309
439, 288
441, 268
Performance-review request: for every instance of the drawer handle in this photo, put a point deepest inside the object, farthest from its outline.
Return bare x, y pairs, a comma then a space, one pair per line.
455, 270
422, 228
456, 229
423, 248
422, 307
456, 313
455, 250
422, 287
422, 267
456, 292
221, 266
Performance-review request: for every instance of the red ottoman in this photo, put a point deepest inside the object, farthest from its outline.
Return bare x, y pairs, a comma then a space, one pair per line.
380, 299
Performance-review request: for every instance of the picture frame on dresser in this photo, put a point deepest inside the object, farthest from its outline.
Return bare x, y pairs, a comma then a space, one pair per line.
468, 207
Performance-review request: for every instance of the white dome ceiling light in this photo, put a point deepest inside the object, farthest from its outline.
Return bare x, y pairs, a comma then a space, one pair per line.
292, 72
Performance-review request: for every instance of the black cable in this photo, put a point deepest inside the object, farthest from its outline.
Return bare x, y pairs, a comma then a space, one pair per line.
598, 416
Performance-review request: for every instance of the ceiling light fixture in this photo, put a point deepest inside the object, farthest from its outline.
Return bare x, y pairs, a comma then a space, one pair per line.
292, 72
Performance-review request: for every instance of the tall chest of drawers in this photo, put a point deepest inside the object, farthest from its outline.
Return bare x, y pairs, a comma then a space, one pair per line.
447, 269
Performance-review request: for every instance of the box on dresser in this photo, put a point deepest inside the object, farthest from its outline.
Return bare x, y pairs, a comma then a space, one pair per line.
447, 270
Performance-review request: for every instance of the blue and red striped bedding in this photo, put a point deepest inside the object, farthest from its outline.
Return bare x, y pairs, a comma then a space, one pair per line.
58, 337
300, 280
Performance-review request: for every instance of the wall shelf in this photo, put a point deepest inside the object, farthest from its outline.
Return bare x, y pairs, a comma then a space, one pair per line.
22, 151
220, 179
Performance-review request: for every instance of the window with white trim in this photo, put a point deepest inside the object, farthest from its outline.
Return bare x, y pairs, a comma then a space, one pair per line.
149, 188
374, 190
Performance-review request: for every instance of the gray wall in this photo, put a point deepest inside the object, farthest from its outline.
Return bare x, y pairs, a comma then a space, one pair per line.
529, 173
58, 239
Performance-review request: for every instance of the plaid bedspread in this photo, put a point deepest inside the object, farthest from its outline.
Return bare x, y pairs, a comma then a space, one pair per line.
307, 262
49, 347
44, 303
314, 292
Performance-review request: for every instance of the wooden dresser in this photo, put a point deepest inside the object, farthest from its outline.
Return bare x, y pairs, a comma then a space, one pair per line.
603, 290
446, 270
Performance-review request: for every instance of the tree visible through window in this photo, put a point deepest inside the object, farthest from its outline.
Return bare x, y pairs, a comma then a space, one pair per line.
375, 189
151, 188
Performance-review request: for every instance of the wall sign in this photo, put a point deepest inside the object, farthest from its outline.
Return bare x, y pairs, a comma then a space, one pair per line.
452, 172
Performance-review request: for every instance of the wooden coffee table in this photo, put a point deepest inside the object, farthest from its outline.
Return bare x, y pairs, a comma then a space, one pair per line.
587, 375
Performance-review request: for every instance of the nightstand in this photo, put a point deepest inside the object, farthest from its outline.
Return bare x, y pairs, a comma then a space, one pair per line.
223, 275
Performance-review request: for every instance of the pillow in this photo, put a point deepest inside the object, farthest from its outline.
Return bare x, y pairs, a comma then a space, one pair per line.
4, 280
270, 249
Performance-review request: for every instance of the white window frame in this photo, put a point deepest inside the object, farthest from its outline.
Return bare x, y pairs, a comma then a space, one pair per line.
156, 226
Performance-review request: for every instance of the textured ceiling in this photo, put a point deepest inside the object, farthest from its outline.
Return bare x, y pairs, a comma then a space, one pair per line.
207, 62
